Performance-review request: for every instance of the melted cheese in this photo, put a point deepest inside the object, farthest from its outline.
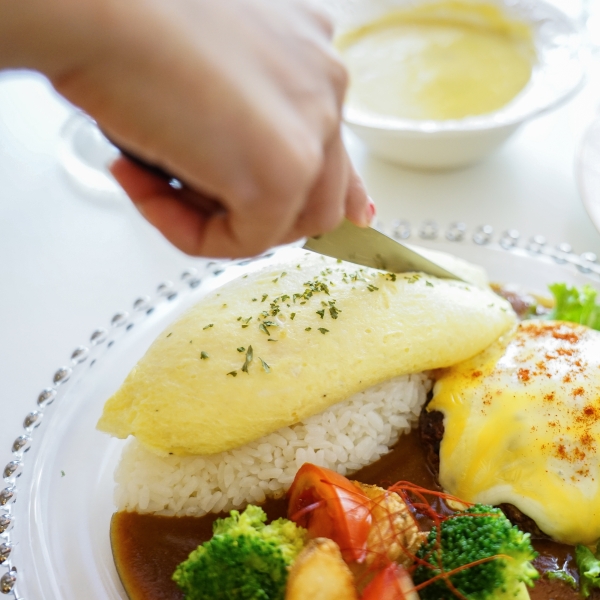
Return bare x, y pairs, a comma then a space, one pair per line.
446, 60
522, 426
176, 401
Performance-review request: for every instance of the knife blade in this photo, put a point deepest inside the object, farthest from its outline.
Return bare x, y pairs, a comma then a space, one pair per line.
371, 248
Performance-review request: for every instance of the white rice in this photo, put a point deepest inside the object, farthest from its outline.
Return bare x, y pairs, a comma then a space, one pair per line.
345, 437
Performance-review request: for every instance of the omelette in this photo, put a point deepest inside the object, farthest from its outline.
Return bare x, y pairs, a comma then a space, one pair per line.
278, 345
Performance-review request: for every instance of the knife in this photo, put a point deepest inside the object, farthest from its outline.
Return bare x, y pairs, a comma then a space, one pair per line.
360, 245
371, 248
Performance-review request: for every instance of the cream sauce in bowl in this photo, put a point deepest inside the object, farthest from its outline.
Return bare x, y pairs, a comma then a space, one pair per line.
447, 60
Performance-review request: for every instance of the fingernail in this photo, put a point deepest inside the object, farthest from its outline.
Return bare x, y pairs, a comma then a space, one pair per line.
371, 210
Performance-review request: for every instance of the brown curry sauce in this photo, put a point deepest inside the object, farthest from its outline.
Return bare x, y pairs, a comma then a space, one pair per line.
147, 548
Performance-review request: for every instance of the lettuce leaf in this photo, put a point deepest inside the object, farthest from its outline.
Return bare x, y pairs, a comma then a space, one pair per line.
589, 570
575, 304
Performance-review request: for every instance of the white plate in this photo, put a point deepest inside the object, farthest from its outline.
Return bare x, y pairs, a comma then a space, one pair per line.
56, 536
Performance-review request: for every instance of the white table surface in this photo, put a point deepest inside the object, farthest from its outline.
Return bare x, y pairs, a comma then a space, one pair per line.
69, 261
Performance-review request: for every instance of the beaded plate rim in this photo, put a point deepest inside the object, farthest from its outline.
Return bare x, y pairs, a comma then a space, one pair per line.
428, 230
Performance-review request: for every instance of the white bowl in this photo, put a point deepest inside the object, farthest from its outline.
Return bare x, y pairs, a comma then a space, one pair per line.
429, 144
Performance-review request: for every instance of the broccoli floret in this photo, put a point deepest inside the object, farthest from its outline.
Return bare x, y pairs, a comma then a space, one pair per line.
244, 560
588, 565
471, 535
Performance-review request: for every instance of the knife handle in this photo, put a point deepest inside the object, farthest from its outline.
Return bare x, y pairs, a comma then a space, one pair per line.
140, 162
206, 204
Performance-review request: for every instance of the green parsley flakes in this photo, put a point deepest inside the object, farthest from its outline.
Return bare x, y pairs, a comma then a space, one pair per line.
249, 357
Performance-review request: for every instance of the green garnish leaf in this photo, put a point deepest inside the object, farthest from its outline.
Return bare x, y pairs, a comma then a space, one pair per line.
241, 349
589, 569
323, 330
321, 313
308, 329
232, 373
249, 357
203, 355
264, 297
293, 316
265, 366
562, 575
372, 288
209, 326
575, 304
170, 334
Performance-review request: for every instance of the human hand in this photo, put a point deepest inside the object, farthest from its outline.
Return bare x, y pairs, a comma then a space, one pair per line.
239, 99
